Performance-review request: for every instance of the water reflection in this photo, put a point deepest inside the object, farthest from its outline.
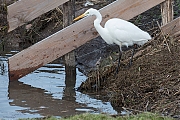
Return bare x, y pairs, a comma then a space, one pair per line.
46, 91
2, 65
34, 100
70, 81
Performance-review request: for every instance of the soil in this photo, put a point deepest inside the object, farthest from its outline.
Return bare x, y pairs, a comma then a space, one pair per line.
152, 83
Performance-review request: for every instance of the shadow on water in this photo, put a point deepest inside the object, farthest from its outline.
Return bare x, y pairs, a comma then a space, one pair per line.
46, 91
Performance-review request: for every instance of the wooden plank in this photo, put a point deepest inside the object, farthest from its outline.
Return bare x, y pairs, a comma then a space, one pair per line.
172, 28
23, 11
72, 37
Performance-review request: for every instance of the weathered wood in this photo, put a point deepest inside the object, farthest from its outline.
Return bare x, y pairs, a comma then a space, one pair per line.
72, 37
68, 15
23, 11
167, 11
172, 28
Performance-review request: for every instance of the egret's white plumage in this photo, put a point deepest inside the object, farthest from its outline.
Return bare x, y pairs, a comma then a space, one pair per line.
118, 31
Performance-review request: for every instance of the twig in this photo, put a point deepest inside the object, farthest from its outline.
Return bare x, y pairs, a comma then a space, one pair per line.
123, 101
59, 10
146, 105
177, 93
164, 36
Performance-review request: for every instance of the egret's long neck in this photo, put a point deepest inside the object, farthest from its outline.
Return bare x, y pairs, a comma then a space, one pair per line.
97, 22
101, 30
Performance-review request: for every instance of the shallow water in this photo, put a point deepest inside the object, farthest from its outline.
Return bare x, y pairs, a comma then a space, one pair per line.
46, 91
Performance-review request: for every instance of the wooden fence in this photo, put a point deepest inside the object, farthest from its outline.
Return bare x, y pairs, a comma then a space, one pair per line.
23, 11
71, 37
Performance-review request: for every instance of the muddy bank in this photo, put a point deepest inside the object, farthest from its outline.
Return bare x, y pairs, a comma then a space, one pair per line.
150, 84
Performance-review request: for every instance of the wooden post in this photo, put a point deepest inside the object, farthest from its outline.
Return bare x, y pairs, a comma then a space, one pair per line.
68, 15
167, 11
70, 63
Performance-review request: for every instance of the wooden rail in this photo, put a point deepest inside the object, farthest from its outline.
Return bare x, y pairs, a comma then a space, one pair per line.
23, 11
172, 28
72, 37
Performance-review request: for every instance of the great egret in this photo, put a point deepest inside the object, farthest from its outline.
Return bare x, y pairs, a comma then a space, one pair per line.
118, 31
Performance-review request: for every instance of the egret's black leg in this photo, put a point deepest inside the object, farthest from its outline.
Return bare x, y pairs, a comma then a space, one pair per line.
119, 61
131, 60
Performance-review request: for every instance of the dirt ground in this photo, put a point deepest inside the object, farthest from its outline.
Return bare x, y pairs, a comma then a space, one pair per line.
152, 83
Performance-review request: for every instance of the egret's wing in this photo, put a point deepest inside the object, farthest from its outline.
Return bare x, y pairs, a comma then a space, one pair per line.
126, 32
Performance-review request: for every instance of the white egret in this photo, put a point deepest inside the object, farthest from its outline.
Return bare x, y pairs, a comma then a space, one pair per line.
118, 31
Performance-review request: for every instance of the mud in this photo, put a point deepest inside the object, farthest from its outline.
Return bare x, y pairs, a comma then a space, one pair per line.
150, 84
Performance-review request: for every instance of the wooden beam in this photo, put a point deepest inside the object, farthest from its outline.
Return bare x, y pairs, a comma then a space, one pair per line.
23, 11
72, 37
172, 28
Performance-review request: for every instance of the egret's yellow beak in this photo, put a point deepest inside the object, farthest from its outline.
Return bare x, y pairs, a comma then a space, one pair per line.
79, 17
